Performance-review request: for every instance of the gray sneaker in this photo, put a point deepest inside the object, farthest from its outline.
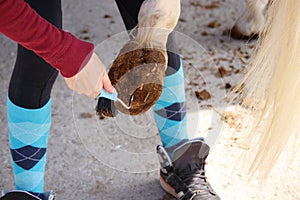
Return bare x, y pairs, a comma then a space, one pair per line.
182, 173
24, 195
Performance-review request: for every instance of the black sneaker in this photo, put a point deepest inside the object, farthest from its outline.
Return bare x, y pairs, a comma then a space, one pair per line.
24, 195
183, 175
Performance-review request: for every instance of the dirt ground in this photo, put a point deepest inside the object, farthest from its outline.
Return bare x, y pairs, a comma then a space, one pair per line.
115, 158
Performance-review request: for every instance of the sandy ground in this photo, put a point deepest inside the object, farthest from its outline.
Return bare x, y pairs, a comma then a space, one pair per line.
115, 158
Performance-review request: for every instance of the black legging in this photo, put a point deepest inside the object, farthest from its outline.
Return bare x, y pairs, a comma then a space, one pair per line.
32, 78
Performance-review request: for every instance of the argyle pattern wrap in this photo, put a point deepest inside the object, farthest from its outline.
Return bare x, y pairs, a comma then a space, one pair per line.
28, 131
170, 109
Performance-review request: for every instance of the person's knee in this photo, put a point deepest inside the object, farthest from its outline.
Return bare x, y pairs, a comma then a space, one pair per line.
32, 80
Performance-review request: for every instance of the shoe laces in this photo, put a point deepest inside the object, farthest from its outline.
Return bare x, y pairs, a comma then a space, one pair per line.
197, 181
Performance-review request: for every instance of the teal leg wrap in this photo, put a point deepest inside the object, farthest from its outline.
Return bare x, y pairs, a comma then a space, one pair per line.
170, 110
28, 131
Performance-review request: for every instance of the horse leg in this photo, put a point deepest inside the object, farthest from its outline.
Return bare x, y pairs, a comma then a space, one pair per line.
251, 23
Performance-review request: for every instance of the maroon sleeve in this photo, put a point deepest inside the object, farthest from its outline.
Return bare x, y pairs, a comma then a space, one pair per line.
60, 49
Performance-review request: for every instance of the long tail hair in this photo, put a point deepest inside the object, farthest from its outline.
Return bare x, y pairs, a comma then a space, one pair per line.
272, 86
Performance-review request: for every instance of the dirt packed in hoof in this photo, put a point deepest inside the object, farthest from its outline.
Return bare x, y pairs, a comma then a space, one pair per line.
138, 75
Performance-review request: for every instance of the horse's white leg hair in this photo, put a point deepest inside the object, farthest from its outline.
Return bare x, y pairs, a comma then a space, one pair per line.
156, 19
253, 20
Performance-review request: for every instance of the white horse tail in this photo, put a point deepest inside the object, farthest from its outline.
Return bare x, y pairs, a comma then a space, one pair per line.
272, 86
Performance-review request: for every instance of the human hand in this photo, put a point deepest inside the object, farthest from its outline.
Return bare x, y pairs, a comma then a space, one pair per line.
91, 79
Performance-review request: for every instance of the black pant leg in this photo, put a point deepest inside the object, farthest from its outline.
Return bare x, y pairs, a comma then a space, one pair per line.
32, 78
